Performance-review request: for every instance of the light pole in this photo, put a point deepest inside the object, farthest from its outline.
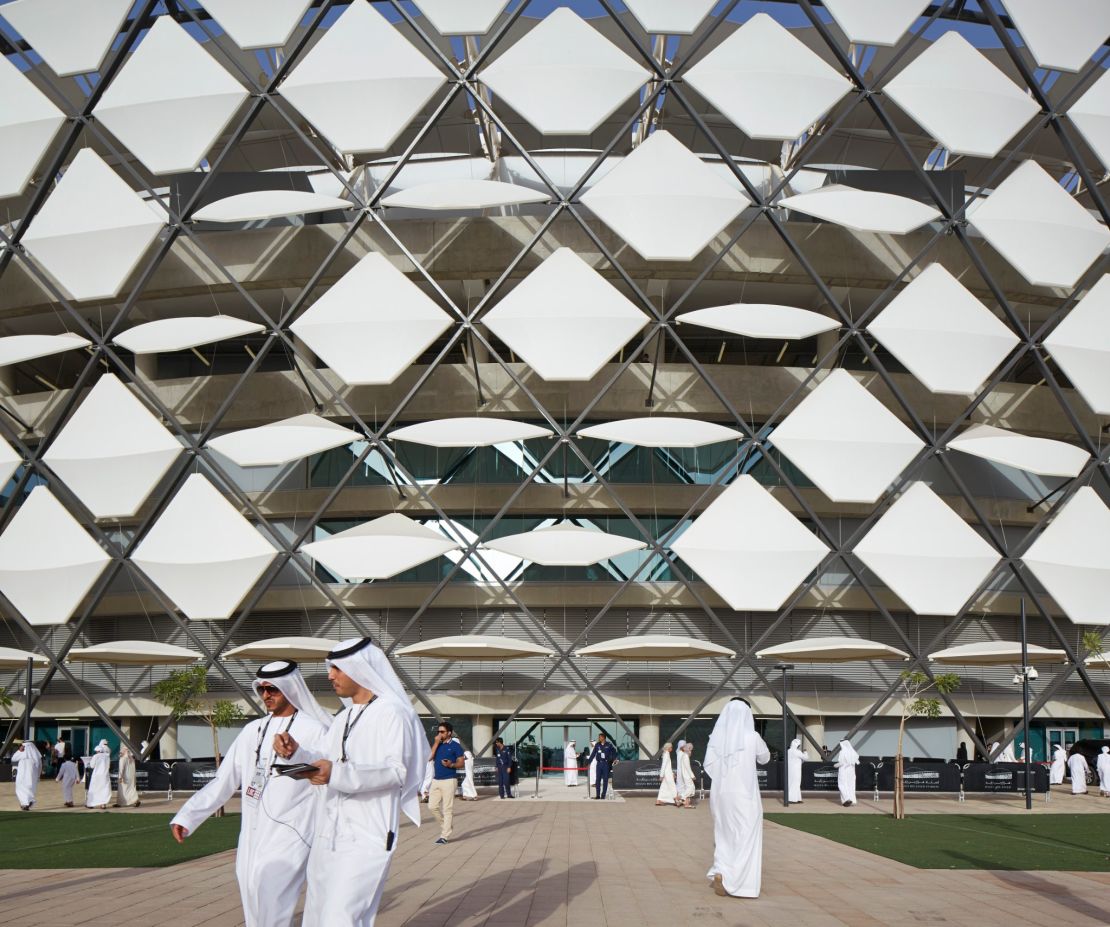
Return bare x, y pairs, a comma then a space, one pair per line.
785, 741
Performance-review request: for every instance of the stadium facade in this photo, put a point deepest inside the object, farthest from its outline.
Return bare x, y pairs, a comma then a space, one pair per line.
887, 421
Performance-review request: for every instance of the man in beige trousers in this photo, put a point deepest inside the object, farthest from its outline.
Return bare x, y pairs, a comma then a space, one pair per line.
447, 756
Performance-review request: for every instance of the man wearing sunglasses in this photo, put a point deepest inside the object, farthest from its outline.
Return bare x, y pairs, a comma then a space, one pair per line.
447, 756
276, 830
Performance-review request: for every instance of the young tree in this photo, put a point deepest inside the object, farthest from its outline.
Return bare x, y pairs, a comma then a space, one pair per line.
180, 692
913, 688
1092, 644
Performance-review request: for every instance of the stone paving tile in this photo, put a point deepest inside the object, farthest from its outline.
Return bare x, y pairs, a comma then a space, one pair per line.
630, 864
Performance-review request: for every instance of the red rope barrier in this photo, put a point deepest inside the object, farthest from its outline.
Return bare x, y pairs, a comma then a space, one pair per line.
563, 768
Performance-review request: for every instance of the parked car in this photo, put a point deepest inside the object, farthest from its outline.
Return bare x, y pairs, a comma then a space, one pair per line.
1091, 749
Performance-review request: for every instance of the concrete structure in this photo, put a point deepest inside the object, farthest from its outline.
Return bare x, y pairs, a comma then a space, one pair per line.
462, 263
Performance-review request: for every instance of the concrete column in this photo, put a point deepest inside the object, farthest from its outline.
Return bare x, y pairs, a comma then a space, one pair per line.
962, 737
815, 724
649, 735
825, 341
168, 744
146, 366
482, 732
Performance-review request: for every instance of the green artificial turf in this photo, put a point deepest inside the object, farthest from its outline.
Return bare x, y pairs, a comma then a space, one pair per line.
89, 840
1066, 842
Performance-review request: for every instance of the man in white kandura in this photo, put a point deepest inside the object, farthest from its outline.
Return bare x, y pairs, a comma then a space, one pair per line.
372, 764
27, 774
795, 756
846, 762
100, 782
1078, 769
667, 794
1007, 754
127, 786
1059, 764
570, 764
734, 804
687, 786
68, 776
275, 833
1102, 767
469, 793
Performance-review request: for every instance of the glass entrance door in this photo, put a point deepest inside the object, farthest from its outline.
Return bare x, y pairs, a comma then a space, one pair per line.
78, 738
1065, 736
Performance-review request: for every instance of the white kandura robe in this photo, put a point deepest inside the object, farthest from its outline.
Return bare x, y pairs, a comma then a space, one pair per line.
686, 784
795, 756
1077, 769
570, 762
1059, 764
359, 808
100, 782
429, 774
737, 812
127, 792
28, 773
68, 777
275, 831
469, 792
667, 792
846, 777
1102, 766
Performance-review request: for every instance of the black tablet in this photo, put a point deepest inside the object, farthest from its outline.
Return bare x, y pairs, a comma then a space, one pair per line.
296, 770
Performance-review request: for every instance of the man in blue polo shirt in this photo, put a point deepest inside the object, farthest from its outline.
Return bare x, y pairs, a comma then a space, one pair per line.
447, 756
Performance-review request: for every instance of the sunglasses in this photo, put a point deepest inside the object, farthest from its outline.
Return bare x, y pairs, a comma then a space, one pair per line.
268, 690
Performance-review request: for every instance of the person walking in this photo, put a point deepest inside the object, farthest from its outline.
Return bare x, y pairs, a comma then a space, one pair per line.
469, 792
100, 782
68, 776
667, 794
27, 773
277, 824
570, 765
795, 756
1059, 765
368, 767
687, 787
734, 802
503, 756
127, 792
605, 754
846, 762
446, 757
1078, 769
1102, 767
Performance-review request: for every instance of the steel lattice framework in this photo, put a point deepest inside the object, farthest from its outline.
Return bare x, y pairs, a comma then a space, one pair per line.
664, 97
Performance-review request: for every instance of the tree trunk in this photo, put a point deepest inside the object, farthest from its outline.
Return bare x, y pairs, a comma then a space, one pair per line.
899, 783
216, 753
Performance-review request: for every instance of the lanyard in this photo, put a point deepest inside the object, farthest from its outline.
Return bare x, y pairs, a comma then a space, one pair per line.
262, 735
349, 726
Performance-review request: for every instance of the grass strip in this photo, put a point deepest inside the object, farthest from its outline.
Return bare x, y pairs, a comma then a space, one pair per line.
1063, 842
118, 839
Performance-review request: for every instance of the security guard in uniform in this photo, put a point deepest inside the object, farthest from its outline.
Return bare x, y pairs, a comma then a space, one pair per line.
606, 755
504, 757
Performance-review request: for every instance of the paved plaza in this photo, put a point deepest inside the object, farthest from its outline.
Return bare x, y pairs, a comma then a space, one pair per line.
627, 864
